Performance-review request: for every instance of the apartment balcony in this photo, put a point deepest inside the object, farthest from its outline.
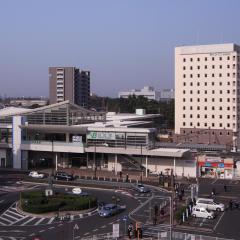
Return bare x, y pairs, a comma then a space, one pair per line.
49, 146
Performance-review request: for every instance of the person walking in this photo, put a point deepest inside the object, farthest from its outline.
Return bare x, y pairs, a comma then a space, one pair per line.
225, 188
230, 204
213, 192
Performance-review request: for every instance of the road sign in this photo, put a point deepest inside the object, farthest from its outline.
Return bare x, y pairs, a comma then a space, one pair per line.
125, 218
115, 230
76, 227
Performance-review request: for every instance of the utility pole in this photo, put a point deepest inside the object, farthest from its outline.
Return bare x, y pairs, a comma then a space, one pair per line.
95, 166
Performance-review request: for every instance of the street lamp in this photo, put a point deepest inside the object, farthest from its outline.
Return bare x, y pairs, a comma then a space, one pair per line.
141, 177
95, 166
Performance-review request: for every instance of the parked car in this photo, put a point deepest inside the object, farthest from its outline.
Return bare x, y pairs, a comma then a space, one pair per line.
210, 204
63, 176
35, 174
202, 213
109, 210
141, 188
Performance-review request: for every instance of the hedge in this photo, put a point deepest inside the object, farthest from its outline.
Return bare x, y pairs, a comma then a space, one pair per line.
37, 202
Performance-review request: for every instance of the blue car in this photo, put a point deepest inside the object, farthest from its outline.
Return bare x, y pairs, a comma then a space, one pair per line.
110, 210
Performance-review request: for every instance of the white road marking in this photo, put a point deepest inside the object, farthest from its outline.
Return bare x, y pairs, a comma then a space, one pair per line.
214, 181
5, 220
95, 230
14, 213
10, 216
19, 220
32, 234
51, 228
81, 215
218, 221
2, 201
86, 234
43, 230
39, 221
50, 221
103, 226
29, 220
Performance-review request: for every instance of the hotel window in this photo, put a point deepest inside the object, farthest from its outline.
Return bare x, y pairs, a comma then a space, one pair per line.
228, 66
220, 108
205, 124
190, 67
184, 108
228, 91
234, 66
198, 83
228, 116
184, 75
191, 59
220, 91
234, 74
220, 116
198, 59
191, 75
234, 58
184, 83
228, 58
184, 68
228, 108
205, 58
198, 67
213, 66
191, 91
213, 99
220, 66
212, 83
212, 74
205, 91
205, 83
198, 75
198, 108
220, 58
184, 91
228, 74
190, 115
234, 125
198, 124
228, 124
190, 99
213, 116
198, 99
184, 99
220, 124
220, 83
220, 99
184, 60
184, 123
205, 99
220, 133
220, 75
184, 115
213, 126
191, 108
191, 83
228, 99
205, 66
205, 116
198, 115
212, 58
198, 91
205, 108
228, 83
205, 75
213, 108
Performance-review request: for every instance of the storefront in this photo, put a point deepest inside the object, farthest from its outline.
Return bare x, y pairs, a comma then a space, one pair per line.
215, 167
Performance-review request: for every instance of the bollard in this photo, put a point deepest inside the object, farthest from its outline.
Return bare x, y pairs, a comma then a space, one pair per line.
104, 179
186, 213
98, 178
183, 217
190, 208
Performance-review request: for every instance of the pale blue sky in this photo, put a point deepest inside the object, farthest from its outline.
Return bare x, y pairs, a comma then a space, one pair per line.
124, 43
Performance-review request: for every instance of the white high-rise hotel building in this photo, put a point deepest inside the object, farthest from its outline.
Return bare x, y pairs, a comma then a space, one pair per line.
207, 85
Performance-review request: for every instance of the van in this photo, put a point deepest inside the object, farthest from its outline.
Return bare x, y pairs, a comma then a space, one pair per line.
202, 213
210, 204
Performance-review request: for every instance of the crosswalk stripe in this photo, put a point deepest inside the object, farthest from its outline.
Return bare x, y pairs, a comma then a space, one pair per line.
10, 216
31, 219
19, 220
16, 214
50, 221
39, 221
4, 219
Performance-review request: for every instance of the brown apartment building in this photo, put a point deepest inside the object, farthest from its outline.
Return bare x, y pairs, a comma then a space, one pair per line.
69, 83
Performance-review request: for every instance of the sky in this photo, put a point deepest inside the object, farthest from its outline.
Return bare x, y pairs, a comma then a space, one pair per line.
126, 44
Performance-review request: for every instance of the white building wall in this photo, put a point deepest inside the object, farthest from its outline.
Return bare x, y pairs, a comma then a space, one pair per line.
204, 75
16, 142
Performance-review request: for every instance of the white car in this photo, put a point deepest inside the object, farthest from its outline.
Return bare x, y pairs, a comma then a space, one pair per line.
77, 190
202, 213
209, 204
35, 174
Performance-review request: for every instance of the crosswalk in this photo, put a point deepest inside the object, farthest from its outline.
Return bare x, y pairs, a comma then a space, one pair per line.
11, 238
12, 217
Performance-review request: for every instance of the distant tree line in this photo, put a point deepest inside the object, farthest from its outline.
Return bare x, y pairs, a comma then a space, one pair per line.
130, 104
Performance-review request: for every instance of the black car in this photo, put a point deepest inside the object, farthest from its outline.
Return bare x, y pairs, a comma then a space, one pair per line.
63, 176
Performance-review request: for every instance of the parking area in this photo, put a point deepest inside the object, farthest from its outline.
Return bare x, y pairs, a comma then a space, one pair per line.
205, 223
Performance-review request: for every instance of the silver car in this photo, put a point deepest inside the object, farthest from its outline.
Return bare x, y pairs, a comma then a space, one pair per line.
141, 188
109, 210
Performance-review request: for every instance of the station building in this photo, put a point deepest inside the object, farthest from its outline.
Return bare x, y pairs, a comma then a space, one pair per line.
65, 135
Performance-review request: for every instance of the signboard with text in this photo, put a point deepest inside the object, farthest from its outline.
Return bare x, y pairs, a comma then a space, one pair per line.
101, 135
115, 230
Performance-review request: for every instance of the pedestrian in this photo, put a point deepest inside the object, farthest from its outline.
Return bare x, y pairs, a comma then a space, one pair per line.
120, 174
230, 204
225, 188
130, 230
213, 192
127, 177
182, 191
